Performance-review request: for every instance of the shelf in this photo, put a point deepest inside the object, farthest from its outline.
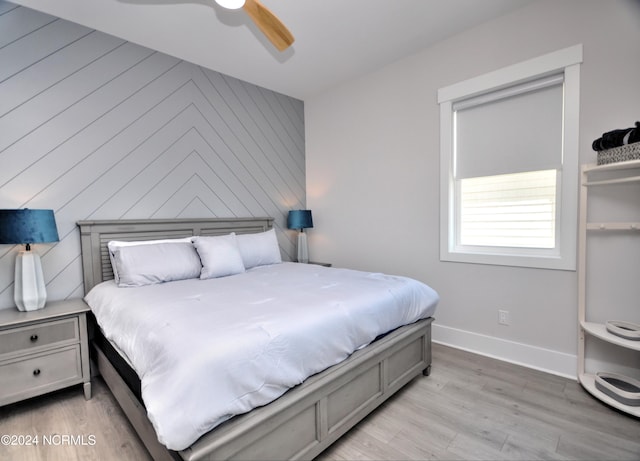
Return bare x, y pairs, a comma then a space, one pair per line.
616, 226
588, 381
599, 175
631, 164
604, 182
599, 330
620, 166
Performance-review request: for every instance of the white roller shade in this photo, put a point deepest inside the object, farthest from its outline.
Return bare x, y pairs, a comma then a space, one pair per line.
490, 139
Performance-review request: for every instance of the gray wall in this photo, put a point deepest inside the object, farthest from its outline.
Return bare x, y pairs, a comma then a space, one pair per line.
95, 127
372, 149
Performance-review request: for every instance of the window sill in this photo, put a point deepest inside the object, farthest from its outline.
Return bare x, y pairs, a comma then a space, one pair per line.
514, 260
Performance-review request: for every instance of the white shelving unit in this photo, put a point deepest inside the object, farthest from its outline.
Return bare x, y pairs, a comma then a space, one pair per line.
625, 173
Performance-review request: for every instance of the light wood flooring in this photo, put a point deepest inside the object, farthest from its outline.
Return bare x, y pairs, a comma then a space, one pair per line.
471, 408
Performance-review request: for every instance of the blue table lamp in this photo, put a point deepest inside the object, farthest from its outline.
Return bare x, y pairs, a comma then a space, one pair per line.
27, 226
301, 220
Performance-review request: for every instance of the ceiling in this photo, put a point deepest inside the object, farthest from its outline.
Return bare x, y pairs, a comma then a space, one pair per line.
336, 40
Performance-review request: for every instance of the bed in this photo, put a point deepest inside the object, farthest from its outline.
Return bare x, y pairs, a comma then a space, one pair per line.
299, 424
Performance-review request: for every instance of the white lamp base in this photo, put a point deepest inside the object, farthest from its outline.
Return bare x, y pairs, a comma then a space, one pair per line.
30, 293
303, 249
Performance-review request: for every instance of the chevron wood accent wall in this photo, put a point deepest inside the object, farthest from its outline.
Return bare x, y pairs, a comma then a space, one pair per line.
95, 127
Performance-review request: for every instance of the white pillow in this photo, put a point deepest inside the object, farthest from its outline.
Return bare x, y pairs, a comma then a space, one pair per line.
114, 244
140, 265
259, 249
219, 255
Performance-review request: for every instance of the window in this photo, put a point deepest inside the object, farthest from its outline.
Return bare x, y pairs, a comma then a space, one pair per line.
511, 210
509, 164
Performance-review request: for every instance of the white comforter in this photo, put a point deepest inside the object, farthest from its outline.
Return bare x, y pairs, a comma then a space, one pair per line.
206, 350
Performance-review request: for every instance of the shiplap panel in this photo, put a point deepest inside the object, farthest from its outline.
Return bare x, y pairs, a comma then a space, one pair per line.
270, 131
169, 184
37, 45
239, 121
98, 128
67, 283
226, 110
151, 159
290, 132
123, 183
103, 152
191, 146
294, 109
251, 117
274, 138
67, 96
54, 68
5, 7
120, 144
137, 174
91, 120
186, 185
231, 140
196, 207
291, 110
18, 22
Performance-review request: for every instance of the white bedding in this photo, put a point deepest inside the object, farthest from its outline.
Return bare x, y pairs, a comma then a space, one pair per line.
206, 350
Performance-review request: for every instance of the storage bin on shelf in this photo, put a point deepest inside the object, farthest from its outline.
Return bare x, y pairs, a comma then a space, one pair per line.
619, 154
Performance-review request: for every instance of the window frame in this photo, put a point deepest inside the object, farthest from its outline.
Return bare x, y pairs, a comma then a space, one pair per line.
563, 256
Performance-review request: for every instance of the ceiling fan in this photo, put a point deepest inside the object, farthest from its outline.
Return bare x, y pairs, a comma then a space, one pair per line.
267, 22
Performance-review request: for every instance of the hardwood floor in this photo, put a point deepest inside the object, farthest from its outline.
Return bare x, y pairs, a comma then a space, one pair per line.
107, 434
471, 407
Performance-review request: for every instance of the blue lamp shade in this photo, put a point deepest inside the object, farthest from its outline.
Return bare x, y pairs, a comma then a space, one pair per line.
27, 226
299, 219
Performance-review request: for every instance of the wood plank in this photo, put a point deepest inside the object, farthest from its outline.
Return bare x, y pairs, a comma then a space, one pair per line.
38, 44
460, 412
44, 74
6, 7
81, 108
18, 22
67, 412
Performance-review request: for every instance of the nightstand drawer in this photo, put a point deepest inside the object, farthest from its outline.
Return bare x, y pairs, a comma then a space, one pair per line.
30, 338
43, 372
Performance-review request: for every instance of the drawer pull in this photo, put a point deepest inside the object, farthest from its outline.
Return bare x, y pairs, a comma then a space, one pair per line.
36, 372
33, 338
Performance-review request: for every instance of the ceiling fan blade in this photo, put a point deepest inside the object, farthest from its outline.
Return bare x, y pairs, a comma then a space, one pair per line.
269, 24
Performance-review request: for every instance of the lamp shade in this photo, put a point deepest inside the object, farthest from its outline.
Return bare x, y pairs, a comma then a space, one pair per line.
299, 219
27, 226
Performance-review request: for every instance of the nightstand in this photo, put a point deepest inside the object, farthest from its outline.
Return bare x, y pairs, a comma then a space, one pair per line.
43, 350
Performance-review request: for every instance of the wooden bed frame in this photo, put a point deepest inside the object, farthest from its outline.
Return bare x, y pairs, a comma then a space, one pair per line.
306, 419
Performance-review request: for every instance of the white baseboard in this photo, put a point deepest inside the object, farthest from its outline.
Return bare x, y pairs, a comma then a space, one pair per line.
554, 362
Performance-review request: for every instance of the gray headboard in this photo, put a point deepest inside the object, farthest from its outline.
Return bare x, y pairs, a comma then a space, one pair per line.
94, 236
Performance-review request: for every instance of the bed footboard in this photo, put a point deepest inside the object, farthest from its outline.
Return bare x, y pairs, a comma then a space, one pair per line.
308, 418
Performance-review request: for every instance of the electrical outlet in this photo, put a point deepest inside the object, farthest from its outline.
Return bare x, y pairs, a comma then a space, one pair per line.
503, 317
